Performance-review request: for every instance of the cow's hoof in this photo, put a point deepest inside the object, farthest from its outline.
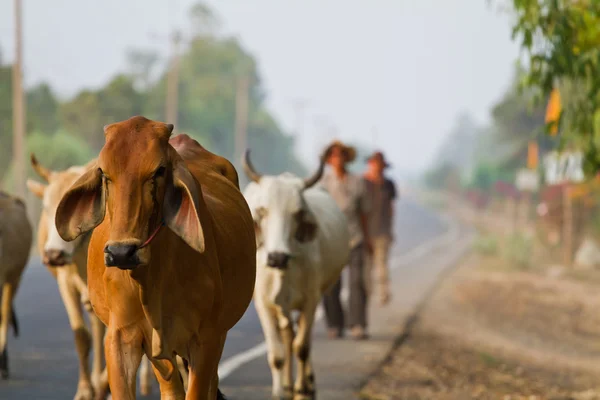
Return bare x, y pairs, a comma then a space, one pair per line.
100, 388
287, 394
305, 394
4, 364
101, 392
84, 392
220, 395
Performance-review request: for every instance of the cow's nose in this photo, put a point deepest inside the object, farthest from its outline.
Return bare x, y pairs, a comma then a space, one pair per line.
55, 258
278, 259
121, 255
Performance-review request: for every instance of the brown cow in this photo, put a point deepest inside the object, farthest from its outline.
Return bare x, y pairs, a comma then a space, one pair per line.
170, 291
15, 243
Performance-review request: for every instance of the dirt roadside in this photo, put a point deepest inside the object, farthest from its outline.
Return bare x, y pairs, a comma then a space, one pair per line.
493, 331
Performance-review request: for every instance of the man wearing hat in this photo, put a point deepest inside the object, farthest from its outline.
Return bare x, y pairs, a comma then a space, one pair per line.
349, 193
382, 193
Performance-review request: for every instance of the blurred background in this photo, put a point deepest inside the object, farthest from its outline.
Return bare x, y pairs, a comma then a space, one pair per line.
487, 111
396, 75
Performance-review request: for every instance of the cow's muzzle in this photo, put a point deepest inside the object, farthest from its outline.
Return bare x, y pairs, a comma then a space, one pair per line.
278, 260
121, 255
56, 258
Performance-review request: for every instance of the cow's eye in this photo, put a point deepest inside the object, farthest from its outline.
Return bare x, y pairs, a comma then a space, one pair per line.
159, 172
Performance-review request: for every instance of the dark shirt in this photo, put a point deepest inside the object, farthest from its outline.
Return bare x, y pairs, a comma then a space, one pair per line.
381, 195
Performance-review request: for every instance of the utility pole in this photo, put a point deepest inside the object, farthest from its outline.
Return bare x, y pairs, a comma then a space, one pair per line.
171, 106
241, 117
18, 106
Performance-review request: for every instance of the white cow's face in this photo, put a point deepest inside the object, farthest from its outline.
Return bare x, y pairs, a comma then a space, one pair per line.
56, 252
281, 216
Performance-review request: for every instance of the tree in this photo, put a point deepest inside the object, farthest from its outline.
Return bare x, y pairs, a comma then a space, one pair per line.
82, 117
210, 68
57, 152
141, 65
5, 118
89, 111
204, 21
43, 109
562, 41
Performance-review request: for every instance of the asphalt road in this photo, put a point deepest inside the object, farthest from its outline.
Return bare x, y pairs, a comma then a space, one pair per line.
43, 360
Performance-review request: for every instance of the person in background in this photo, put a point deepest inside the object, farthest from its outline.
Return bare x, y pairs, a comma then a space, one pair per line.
348, 191
382, 193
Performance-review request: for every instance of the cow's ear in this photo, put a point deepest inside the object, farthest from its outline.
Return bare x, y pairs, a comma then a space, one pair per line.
36, 188
307, 226
181, 207
82, 208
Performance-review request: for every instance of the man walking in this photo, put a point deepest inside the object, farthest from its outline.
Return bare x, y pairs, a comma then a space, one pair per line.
348, 191
382, 193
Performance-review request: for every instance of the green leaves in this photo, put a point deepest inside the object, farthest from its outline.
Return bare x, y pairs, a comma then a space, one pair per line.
561, 39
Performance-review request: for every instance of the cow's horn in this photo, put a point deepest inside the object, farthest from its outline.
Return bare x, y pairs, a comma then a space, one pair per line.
41, 171
249, 169
308, 182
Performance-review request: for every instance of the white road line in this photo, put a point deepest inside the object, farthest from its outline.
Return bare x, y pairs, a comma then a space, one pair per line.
228, 366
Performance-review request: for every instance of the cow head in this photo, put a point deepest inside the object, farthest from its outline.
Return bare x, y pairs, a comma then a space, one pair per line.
139, 183
55, 251
281, 215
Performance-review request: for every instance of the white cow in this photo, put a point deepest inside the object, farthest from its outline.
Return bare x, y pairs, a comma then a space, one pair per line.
302, 247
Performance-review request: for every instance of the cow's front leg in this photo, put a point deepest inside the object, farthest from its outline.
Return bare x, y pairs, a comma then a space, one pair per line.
276, 354
286, 328
146, 377
204, 359
123, 348
171, 389
182, 366
304, 386
71, 300
99, 377
6, 299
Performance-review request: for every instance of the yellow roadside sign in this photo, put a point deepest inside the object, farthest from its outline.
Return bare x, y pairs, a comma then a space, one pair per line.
532, 155
553, 111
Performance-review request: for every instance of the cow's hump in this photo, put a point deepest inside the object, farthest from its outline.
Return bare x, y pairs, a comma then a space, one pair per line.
190, 150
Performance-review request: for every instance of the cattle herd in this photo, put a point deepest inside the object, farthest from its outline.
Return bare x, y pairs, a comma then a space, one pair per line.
156, 242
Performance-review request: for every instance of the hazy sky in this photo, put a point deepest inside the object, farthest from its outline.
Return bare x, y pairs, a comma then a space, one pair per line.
401, 68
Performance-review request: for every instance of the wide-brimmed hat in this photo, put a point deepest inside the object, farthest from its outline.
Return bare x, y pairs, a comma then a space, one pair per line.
378, 156
348, 151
